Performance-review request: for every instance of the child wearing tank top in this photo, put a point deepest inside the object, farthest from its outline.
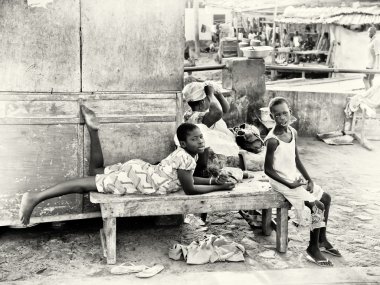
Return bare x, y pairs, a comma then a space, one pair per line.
288, 176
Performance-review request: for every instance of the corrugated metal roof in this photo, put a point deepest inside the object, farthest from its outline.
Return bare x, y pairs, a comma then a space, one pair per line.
251, 5
331, 15
357, 19
256, 5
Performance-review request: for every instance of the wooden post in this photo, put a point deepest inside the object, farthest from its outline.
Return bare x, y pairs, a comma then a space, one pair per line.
103, 242
282, 229
196, 27
266, 221
109, 228
330, 53
273, 73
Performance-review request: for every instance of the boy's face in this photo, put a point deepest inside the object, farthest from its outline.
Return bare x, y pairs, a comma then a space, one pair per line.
281, 114
195, 142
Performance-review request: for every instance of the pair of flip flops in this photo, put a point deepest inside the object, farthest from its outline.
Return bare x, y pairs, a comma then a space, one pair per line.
142, 271
324, 263
331, 251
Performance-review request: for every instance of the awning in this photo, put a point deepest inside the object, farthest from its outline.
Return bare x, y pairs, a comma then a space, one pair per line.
330, 15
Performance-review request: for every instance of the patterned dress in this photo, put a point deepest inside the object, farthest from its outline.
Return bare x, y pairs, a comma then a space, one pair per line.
139, 177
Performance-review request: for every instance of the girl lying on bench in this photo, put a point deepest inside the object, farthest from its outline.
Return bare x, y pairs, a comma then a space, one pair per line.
135, 176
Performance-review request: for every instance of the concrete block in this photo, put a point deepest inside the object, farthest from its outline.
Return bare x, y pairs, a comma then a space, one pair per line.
246, 77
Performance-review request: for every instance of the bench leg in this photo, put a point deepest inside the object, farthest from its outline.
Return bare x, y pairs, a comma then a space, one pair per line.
109, 237
266, 221
282, 229
103, 241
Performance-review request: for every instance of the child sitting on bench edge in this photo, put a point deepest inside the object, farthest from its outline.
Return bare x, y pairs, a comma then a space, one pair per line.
286, 174
135, 176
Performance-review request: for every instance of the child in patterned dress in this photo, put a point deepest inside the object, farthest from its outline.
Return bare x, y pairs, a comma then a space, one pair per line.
135, 176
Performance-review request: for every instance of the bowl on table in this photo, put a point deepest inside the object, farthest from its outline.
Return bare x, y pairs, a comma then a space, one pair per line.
256, 52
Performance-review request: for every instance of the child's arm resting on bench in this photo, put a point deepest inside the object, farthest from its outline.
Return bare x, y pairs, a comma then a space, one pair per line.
202, 184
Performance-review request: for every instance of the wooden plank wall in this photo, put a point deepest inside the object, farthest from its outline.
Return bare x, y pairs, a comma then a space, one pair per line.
133, 126
43, 143
60, 53
40, 145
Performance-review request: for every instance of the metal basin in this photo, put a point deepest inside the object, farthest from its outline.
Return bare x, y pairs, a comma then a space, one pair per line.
256, 52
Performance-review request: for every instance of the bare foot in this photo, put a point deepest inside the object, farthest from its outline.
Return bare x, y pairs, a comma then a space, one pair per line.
315, 256
28, 202
90, 118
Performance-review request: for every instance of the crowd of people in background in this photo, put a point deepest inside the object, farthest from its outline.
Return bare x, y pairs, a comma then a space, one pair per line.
292, 41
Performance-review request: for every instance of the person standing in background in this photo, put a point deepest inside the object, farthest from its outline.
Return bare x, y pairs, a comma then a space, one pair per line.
373, 57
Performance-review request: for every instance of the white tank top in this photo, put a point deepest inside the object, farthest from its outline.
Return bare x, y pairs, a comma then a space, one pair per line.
284, 158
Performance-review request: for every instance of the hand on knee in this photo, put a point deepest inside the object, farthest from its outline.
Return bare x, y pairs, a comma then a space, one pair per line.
319, 205
326, 199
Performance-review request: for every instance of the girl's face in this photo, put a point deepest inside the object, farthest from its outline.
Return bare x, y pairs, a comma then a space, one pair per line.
281, 114
204, 105
194, 143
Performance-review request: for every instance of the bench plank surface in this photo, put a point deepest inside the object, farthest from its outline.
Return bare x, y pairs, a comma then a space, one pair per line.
252, 194
249, 188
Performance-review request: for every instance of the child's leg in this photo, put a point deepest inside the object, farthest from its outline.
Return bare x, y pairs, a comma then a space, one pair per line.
313, 248
31, 199
323, 242
96, 165
81, 185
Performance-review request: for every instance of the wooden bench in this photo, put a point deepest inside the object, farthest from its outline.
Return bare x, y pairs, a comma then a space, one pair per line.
252, 194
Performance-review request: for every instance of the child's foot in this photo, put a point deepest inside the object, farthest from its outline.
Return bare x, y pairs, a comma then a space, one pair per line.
327, 247
314, 255
28, 202
90, 118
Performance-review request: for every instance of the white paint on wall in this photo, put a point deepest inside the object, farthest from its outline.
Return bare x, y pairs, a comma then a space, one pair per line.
206, 16
39, 3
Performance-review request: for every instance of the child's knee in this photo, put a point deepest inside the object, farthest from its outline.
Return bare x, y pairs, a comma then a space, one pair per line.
316, 203
326, 198
320, 205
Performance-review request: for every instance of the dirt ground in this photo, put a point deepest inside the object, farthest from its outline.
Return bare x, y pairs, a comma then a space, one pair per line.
72, 249
349, 173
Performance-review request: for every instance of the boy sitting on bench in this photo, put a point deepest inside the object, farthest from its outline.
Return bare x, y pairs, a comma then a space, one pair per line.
286, 175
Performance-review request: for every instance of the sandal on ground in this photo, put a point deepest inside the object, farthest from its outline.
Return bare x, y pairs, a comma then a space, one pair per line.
128, 269
331, 251
322, 263
149, 272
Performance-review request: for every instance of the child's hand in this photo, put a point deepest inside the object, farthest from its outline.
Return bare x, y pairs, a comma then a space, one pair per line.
310, 186
297, 183
227, 186
222, 178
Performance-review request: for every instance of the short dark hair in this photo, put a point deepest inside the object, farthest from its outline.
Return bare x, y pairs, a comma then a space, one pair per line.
194, 104
277, 101
183, 130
